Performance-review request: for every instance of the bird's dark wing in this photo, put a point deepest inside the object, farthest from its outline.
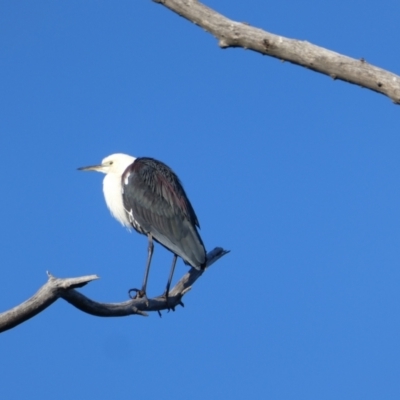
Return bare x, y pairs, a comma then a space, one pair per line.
154, 196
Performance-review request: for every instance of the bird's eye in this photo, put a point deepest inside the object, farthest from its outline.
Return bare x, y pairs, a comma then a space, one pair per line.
111, 163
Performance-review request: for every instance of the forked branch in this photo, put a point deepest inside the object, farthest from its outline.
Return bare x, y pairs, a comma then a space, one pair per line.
56, 288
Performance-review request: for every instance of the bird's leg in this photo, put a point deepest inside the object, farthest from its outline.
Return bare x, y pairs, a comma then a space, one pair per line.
171, 274
150, 250
142, 293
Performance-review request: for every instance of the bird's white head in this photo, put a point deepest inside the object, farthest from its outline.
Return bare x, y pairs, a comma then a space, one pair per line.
114, 166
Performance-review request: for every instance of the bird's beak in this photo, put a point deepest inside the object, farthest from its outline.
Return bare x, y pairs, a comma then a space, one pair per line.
98, 168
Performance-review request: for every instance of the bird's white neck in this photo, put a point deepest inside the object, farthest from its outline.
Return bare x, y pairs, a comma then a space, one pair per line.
112, 190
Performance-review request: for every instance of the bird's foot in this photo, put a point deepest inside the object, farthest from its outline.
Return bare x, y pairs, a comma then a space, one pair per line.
166, 296
139, 294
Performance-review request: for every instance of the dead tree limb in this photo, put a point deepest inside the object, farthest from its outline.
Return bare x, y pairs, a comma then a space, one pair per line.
56, 288
237, 34
43, 298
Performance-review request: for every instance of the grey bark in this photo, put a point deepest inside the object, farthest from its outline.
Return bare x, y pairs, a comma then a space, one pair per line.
230, 33
56, 288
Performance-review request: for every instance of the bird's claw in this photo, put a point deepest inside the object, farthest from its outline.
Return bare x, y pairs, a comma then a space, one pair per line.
139, 294
171, 307
166, 296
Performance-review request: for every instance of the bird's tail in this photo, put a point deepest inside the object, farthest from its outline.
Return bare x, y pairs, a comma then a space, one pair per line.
194, 252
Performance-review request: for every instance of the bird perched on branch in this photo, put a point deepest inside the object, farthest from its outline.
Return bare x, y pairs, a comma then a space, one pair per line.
145, 194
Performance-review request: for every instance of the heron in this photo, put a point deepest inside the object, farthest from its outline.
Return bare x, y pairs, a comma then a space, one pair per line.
146, 195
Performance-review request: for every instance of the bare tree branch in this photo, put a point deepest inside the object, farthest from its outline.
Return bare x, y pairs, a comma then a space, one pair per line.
64, 288
236, 34
42, 299
139, 306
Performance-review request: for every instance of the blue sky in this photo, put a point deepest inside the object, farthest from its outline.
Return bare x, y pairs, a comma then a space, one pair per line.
298, 175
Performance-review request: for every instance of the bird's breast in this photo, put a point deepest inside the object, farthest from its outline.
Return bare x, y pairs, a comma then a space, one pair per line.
112, 190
